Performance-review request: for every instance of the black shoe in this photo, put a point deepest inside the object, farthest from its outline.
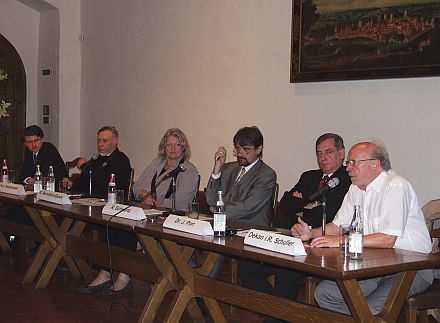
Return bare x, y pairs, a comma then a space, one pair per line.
123, 291
86, 289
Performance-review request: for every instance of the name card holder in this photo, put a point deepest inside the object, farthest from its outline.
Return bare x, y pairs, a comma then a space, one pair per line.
54, 197
275, 242
185, 224
131, 213
14, 189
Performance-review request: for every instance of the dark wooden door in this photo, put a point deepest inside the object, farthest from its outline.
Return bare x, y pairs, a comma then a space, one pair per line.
12, 90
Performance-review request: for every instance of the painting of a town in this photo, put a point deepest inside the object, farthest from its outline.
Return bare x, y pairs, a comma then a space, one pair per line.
358, 39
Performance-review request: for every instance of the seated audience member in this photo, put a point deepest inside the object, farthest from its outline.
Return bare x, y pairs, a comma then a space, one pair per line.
392, 218
247, 184
154, 187
330, 154
37, 152
110, 160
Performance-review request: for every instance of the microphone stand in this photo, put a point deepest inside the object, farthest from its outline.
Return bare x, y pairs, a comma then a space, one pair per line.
90, 182
324, 212
173, 194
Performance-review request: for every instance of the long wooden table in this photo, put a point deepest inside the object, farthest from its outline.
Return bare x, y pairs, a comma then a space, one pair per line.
322, 262
165, 264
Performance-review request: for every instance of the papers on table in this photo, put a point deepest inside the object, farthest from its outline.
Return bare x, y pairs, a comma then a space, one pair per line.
274, 241
90, 201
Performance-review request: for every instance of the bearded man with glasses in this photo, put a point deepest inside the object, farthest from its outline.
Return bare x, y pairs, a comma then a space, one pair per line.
246, 184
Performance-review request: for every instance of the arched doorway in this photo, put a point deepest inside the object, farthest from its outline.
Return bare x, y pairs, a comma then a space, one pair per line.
12, 90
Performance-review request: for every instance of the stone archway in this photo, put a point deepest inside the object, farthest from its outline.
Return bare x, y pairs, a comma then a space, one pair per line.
12, 90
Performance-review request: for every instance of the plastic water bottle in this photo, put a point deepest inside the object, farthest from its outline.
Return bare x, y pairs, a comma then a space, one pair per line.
38, 184
220, 216
50, 184
111, 197
4, 178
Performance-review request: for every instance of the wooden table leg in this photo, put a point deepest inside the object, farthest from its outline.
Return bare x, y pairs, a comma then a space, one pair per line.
358, 305
32, 271
397, 297
184, 298
166, 283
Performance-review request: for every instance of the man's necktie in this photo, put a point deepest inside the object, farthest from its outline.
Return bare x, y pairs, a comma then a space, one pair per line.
243, 170
323, 181
35, 159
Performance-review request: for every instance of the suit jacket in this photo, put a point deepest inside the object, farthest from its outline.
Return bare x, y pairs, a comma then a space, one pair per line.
186, 184
250, 199
307, 185
117, 163
47, 156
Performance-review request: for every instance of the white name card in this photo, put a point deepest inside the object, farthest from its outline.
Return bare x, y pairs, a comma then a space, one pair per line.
183, 223
275, 242
54, 197
132, 212
14, 189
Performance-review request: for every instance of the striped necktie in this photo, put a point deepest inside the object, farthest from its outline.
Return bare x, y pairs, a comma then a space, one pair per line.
243, 170
323, 181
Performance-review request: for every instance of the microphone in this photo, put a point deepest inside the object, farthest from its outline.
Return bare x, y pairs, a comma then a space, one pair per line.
90, 164
175, 171
330, 184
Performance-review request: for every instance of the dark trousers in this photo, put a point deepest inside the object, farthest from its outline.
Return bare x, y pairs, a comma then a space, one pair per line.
254, 275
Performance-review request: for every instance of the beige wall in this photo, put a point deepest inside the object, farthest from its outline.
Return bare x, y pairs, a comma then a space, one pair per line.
210, 67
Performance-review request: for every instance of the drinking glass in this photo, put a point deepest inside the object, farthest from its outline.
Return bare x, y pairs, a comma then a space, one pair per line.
344, 232
11, 176
193, 210
120, 196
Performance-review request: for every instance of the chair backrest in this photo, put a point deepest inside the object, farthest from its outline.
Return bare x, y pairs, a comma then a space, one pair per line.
431, 212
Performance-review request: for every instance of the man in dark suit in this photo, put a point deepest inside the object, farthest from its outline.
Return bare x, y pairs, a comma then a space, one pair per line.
246, 184
330, 155
108, 160
37, 152
40, 152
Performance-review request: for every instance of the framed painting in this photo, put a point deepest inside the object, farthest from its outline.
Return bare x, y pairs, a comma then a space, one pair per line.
335, 40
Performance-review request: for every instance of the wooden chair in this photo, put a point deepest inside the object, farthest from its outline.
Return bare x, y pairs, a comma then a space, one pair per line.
429, 300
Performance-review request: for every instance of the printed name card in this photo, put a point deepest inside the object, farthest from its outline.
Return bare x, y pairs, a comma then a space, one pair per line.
14, 189
275, 242
183, 223
54, 197
123, 211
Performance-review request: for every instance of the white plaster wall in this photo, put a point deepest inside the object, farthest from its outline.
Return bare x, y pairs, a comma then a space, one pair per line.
48, 85
69, 74
20, 25
210, 67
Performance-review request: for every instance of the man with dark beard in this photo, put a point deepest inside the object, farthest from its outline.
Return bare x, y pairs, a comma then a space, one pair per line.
246, 184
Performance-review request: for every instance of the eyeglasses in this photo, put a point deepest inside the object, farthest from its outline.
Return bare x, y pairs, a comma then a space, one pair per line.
175, 146
353, 162
240, 150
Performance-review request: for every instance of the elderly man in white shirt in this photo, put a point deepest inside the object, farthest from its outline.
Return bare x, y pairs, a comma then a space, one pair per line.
392, 218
